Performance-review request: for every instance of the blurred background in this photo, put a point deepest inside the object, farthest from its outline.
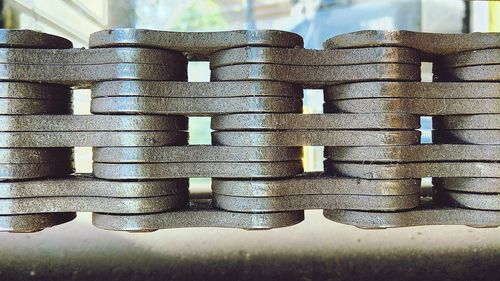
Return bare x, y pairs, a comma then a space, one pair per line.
314, 249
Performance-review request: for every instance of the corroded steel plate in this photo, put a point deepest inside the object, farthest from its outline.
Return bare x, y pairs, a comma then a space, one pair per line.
469, 58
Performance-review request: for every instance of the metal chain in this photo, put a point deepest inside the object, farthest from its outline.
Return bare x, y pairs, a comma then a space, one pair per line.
142, 161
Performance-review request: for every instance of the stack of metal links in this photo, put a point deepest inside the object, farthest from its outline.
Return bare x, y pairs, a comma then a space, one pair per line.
139, 129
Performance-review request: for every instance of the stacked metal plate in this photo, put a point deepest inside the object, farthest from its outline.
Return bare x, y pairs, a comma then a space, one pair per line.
139, 129
462, 160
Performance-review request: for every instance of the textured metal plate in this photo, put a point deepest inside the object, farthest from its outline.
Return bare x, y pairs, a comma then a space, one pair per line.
317, 76
482, 137
428, 213
27, 171
314, 184
34, 155
11, 38
314, 138
312, 201
197, 170
175, 89
474, 73
296, 56
33, 222
314, 121
414, 153
469, 58
429, 44
194, 106
92, 204
84, 75
414, 170
477, 185
198, 214
197, 153
84, 185
469, 200
197, 45
417, 106
22, 90
414, 90
91, 123
77, 57
14, 106
475, 122
92, 139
